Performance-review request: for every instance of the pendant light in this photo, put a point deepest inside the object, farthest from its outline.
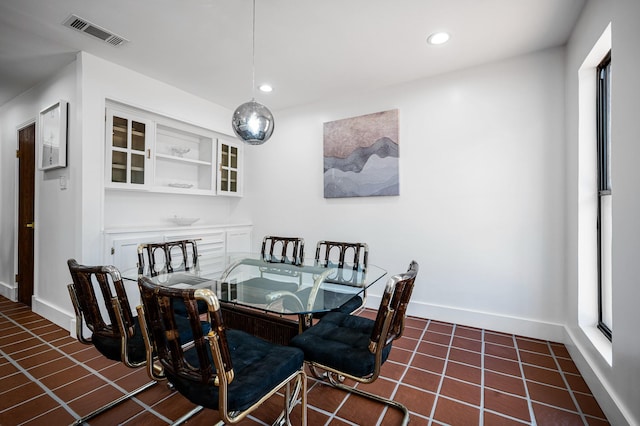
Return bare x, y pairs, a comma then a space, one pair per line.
252, 122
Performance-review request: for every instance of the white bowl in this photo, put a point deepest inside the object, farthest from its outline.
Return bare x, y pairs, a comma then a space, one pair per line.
184, 221
179, 151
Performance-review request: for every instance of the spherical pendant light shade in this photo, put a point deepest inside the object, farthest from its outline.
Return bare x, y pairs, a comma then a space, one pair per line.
253, 123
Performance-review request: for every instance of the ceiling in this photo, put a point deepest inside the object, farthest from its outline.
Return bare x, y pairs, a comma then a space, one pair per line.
308, 50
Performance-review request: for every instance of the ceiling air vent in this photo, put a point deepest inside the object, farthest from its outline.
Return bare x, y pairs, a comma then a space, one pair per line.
84, 26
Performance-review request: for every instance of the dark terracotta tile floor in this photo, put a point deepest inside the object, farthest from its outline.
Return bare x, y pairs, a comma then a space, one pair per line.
444, 373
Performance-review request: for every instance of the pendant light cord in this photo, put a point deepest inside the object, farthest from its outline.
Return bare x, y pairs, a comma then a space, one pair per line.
253, 54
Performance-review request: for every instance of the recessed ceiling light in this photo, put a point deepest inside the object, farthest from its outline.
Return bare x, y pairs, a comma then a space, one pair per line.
438, 38
265, 88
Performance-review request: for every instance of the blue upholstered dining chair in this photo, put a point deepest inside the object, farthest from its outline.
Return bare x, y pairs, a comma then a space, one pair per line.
349, 346
226, 370
118, 337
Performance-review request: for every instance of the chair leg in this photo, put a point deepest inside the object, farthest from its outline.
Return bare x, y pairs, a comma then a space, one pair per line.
389, 402
315, 373
290, 399
187, 416
130, 395
113, 403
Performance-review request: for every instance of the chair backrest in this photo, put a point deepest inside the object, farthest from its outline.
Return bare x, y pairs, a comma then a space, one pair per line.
107, 279
162, 323
283, 249
346, 256
167, 257
389, 323
183, 255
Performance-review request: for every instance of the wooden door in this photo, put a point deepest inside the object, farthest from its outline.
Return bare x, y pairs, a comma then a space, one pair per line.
26, 226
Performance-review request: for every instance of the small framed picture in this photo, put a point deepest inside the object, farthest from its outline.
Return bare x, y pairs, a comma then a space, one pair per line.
53, 136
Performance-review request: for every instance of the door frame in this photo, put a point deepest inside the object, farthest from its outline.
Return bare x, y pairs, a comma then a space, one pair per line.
36, 188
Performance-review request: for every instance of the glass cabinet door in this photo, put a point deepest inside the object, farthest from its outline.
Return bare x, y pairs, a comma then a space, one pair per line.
127, 149
138, 138
229, 158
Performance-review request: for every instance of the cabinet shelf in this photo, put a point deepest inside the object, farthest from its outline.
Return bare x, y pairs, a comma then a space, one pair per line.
173, 190
182, 159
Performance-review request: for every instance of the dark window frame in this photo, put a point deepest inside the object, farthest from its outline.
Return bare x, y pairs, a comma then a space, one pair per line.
603, 98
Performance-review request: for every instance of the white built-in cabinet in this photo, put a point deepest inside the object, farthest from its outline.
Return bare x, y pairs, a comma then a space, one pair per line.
146, 151
214, 243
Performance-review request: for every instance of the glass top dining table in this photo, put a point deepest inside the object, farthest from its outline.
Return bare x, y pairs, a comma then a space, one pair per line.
274, 285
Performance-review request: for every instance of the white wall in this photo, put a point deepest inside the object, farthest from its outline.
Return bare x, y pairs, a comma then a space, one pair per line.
481, 192
10, 119
55, 219
616, 385
626, 210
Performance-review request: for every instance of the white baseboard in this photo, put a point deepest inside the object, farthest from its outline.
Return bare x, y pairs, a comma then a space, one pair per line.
8, 291
485, 320
54, 314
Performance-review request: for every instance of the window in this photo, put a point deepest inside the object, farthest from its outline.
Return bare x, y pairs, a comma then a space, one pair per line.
604, 222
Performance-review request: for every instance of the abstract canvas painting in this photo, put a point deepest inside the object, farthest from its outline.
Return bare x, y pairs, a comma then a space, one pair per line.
361, 156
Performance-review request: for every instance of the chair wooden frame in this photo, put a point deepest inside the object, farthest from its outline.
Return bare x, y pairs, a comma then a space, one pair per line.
358, 262
87, 310
388, 326
156, 322
291, 249
166, 249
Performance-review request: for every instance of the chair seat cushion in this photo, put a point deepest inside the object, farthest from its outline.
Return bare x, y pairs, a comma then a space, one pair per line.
340, 341
110, 346
258, 368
